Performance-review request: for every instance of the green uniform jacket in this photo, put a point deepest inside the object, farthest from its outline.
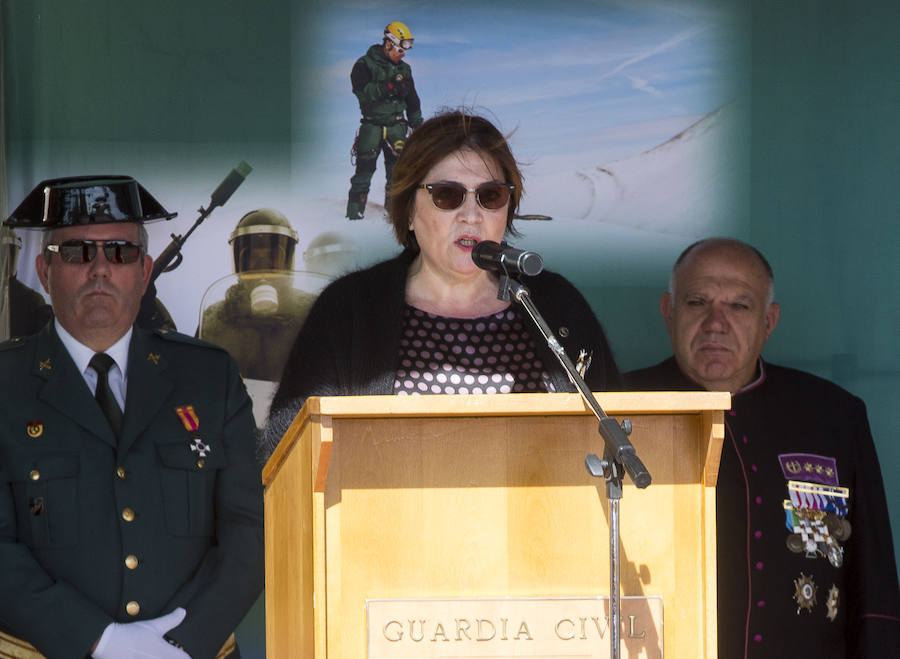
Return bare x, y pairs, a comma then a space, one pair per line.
74, 506
369, 75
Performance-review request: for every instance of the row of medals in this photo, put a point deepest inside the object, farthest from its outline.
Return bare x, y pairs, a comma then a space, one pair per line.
816, 533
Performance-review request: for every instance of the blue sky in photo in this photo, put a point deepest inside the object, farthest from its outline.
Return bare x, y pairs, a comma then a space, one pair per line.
580, 82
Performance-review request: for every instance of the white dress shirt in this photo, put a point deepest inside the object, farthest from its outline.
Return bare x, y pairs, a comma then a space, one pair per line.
81, 355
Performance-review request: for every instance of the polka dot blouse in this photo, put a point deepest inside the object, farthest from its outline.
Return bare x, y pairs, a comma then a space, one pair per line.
489, 355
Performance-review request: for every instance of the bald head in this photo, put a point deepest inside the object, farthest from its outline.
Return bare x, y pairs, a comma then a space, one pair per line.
719, 312
726, 244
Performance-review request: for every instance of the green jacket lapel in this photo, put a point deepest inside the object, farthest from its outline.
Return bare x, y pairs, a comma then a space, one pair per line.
148, 386
64, 387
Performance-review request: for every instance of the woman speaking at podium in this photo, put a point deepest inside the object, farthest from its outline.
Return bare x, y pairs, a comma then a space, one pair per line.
429, 321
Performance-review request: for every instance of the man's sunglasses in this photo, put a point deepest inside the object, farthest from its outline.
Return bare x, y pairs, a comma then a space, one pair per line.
84, 251
450, 196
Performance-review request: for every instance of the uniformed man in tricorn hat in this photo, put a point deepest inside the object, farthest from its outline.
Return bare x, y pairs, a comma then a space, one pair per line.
130, 503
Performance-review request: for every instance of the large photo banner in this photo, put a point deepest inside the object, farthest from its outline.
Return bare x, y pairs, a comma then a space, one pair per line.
269, 130
627, 119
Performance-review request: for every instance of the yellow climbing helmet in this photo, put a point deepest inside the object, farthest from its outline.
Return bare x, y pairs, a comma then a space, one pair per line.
399, 35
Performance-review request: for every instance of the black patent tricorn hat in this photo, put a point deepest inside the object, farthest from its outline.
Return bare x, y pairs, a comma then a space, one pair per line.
80, 200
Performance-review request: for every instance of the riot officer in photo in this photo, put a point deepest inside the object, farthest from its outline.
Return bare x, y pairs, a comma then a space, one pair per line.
27, 309
331, 253
258, 315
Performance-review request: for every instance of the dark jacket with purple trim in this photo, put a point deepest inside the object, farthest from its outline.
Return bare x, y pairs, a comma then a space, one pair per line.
774, 601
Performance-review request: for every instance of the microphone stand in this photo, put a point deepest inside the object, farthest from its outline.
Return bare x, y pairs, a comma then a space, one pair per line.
619, 455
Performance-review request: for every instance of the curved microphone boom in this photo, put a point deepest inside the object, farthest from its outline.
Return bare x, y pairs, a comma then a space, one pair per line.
500, 257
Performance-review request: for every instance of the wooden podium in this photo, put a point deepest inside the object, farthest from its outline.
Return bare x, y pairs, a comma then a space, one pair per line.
485, 498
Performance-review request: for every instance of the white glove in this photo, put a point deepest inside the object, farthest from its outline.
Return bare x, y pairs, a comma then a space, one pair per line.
141, 640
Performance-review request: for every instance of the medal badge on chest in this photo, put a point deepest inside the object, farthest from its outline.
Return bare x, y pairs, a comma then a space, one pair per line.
805, 591
816, 520
834, 598
191, 423
816, 510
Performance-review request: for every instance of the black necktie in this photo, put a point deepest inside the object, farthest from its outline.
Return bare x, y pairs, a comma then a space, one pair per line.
101, 363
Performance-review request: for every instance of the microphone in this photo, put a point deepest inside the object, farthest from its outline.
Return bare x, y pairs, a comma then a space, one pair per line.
506, 260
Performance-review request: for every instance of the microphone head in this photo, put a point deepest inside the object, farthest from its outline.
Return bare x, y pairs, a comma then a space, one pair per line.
530, 263
502, 258
485, 254
485, 250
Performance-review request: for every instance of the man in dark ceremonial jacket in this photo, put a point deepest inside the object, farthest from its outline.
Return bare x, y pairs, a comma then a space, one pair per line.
130, 501
804, 548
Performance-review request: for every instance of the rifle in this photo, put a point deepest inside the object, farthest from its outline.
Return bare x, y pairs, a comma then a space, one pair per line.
152, 314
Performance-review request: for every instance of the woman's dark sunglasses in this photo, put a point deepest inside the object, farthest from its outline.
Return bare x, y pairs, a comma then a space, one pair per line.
84, 251
450, 196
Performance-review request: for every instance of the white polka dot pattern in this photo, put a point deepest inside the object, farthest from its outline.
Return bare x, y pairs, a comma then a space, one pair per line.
490, 355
